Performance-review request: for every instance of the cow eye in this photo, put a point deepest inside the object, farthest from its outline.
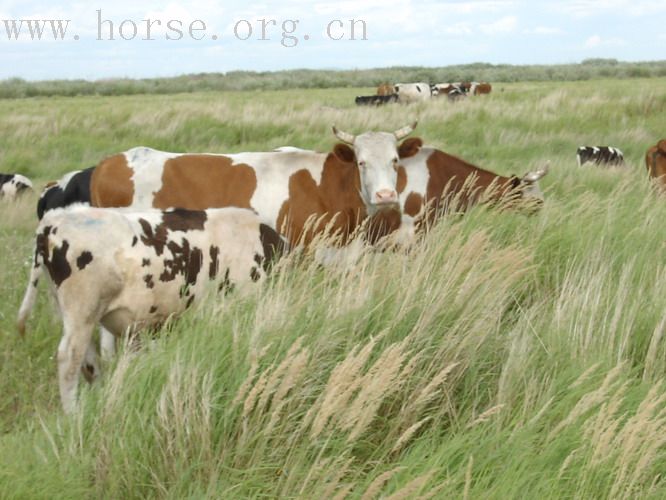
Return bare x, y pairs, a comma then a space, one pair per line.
361, 163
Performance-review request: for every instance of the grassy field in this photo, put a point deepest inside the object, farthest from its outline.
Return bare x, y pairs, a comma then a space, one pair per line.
504, 356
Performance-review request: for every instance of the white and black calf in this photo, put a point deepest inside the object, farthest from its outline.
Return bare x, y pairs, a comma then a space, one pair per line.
599, 155
132, 270
12, 185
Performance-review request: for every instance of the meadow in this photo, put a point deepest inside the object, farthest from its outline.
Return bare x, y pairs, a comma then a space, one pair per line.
504, 355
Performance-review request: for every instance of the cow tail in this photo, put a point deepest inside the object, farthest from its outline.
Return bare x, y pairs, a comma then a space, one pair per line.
30, 295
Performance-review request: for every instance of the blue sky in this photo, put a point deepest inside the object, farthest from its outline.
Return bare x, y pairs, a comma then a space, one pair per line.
399, 32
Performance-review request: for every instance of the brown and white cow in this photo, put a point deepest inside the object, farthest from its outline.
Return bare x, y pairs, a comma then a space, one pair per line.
287, 188
130, 270
432, 182
481, 88
655, 161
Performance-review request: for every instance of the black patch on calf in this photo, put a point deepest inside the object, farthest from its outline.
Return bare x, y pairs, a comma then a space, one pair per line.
185, 261
155, 238
84, 259
145, 262
148, 278
274, 245
226, 286
189, 302
59, 268
214, 264
135, 240
254, 274
153, 309
179, 219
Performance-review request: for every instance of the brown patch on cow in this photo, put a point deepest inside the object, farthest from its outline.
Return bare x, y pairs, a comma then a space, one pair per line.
385, 89
213, 268
413, 204
334, 205
401, 183
447, 189
84, 259
111, 183
410, 147
205, 181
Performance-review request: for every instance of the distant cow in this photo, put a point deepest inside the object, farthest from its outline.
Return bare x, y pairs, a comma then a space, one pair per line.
132, 270
434, 182
655, 161
412, 92
12, 185
599, 155
480, 88
385, 89
73, 187
375, 100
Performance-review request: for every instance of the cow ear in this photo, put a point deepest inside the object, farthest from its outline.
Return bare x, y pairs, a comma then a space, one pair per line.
409, 147
344, 153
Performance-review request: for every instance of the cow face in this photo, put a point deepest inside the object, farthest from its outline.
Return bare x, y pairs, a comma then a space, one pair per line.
377, 157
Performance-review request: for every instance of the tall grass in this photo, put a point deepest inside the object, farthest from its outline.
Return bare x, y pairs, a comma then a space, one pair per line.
502, 356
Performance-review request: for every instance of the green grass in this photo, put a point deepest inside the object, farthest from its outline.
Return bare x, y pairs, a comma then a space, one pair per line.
504, 356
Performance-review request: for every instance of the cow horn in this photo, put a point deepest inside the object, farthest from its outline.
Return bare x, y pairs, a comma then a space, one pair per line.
400, 134
344, 136
535, 176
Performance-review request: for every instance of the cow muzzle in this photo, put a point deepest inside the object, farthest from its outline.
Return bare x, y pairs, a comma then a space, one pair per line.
385, 197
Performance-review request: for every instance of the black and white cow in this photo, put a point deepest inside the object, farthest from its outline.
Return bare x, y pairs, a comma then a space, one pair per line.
598, 155
375, 100
12, 185
413, 92
131, 270
73, 187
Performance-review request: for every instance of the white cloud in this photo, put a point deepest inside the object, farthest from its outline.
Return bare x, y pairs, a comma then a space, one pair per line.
543, 30
587, 8
504, 25
596, 41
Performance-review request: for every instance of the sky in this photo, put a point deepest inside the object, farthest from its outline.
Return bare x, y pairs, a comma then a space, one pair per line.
137, 39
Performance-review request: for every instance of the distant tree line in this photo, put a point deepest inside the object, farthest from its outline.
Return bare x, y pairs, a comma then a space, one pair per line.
306, 78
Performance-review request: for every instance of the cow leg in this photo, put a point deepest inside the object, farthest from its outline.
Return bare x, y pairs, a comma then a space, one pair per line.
107, 344
90, 367
72, 350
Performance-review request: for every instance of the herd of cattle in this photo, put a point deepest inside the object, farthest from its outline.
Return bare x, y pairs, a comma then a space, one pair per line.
417, 92
164, 228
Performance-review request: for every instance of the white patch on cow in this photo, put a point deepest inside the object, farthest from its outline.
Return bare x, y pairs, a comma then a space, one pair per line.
271, 170
147, 165
595, 150
417, 174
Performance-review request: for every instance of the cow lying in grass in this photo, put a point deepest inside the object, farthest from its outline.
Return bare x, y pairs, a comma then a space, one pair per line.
131, 270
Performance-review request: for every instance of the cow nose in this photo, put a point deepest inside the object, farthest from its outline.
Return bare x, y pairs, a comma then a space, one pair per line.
386, 196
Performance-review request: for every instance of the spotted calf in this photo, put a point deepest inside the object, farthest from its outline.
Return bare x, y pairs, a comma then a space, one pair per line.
131, 270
